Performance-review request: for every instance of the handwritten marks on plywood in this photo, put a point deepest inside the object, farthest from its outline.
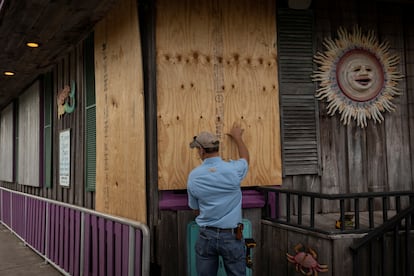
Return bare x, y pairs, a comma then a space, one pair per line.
216, 66
120, 135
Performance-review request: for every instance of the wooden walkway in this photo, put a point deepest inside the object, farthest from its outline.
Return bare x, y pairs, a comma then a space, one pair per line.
17, 259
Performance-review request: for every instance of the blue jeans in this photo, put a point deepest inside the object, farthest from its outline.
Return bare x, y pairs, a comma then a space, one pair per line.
211, 244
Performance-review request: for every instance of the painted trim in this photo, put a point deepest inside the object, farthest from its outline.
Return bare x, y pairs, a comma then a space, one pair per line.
177, 200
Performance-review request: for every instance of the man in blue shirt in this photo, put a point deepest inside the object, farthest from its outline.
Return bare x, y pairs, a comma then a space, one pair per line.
214, 191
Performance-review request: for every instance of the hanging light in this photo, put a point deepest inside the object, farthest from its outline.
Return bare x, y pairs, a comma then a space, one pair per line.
32, 44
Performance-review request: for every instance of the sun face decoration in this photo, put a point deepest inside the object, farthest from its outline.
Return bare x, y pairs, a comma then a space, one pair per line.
357, 76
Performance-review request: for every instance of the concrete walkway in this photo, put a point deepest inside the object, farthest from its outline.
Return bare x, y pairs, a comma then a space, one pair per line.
18, 259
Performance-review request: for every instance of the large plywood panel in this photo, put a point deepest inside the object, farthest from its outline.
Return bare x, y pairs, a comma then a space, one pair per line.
217, 66
120, 179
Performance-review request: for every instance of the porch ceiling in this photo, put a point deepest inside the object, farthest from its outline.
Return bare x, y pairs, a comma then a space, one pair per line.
57, 25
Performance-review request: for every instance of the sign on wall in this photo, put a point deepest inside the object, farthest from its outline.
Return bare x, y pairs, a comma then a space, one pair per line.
64, 158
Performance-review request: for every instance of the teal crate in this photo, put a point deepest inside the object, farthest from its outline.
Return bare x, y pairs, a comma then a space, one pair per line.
192, 235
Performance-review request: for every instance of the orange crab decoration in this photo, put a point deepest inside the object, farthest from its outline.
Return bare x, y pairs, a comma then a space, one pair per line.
306, 261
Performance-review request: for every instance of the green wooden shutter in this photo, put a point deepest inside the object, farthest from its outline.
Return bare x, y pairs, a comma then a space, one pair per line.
90, 114
47, 134
299, 114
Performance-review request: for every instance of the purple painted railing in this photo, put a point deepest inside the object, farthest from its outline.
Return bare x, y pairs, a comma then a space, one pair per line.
77, 241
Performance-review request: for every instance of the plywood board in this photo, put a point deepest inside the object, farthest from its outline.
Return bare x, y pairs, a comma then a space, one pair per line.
217, 66
120, 172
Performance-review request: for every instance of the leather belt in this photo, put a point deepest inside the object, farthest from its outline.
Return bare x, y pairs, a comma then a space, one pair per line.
216, 229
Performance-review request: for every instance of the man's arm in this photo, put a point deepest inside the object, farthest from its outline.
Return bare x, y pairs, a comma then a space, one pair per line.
236, 133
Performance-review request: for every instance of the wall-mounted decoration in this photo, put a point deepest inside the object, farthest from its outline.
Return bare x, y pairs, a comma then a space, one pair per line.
306, 261
357, 76
66, 99
64, 158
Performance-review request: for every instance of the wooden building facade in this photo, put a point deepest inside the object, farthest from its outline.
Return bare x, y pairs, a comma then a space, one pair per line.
107, 126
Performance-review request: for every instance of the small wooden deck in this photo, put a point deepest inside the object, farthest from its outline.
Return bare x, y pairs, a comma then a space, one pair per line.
326, 223
333, 246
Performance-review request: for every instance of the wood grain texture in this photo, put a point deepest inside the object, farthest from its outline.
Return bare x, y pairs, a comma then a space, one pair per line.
376, 158
120, 173
216, 67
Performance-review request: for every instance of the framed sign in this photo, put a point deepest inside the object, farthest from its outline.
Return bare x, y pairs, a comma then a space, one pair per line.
64, 158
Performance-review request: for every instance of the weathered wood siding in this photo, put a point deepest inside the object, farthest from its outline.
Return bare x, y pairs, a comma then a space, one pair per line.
120, 133
69, 67
378, 157
217, 65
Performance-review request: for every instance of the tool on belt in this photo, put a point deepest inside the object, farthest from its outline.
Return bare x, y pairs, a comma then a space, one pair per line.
250, 243
239, 231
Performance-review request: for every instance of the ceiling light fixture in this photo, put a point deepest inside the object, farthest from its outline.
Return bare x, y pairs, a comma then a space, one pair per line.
32, 44
9, 73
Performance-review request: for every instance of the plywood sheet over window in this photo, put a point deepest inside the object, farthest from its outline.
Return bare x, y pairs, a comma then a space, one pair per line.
120, 135
28, 136
216, 66
6, 144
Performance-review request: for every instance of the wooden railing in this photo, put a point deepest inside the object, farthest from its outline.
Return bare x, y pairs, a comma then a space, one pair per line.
287, 207
75, 240
387, 250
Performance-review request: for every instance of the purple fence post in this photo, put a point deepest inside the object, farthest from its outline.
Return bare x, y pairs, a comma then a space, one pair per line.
110, 247
102, 242
55, 229
48, 231
35, 224
65, 242
79, 238
125, 249
71, 241
1, 205
61, 241
95, 247
87, 243
138, 252
41, 233
6, 208
118, 249
29, 222
18, 215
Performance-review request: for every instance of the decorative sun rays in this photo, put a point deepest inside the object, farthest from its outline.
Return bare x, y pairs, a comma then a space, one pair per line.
357, 76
